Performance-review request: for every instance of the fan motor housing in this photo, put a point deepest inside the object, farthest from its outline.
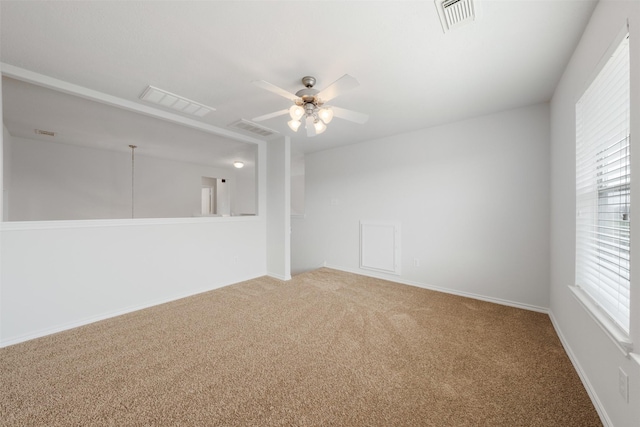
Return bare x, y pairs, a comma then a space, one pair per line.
307, 95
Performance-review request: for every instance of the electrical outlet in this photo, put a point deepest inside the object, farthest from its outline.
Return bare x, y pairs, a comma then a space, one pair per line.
416, 262
623, 384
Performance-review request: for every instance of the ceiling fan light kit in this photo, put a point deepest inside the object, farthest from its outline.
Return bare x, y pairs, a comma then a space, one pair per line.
294, 124
326, 115
312, 112
296, 112
319, 126
308, 104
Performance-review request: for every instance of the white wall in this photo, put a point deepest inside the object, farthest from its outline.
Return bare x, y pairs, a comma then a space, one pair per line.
3, 165
54, 181
595, 355
278, 248
297, 183
244, 195
472, 198
6, 169
57, 277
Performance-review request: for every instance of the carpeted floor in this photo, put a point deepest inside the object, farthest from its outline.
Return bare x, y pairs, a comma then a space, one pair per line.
327, 348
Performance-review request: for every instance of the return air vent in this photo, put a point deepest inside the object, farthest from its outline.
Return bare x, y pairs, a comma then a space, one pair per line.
454, 13
175, 102
254, 128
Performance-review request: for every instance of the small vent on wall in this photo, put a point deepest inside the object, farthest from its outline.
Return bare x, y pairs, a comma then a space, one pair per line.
254, 128
454, 13
175, 102
45, 132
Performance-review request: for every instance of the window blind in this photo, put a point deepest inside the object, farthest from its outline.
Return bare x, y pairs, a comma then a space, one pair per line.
603, 191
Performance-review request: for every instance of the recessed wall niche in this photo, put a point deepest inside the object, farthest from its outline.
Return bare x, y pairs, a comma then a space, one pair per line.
69, 158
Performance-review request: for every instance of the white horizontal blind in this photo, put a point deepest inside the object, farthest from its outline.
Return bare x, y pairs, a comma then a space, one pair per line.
603, 188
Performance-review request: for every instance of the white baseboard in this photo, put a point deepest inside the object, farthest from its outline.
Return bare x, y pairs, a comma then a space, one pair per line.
279, 276
444, 290
92, 319
606, 421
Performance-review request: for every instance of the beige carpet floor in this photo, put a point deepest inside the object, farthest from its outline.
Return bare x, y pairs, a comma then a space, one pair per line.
327, 348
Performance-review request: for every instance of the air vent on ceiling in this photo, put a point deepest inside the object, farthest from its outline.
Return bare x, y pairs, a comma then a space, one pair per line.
257, 129
45, 132
175, 102
454, 13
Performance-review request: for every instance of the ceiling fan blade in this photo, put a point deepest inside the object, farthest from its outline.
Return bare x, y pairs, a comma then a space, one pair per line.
352, 116
336, 88
311, 129
270, 115
275, 89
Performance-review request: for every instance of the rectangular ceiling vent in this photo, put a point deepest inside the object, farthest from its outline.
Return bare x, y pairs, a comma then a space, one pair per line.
175, 102
254, 128
454, 13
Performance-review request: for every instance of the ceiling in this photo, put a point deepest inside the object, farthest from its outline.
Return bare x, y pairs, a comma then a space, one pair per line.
28, 108
412, 75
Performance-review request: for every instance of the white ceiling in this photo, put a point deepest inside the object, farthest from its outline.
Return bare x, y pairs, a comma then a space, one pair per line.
82, 122
411, 74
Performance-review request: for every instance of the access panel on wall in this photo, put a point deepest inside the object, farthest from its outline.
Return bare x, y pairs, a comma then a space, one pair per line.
380, 246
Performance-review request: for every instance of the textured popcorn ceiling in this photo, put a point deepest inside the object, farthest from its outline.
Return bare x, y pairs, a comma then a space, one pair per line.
411, 74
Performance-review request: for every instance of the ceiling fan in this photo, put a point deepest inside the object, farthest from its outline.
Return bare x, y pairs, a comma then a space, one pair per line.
309, 104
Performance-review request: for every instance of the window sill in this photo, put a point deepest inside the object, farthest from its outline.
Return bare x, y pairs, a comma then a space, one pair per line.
617, 335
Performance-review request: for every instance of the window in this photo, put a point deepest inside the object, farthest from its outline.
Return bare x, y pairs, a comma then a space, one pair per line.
603, 190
